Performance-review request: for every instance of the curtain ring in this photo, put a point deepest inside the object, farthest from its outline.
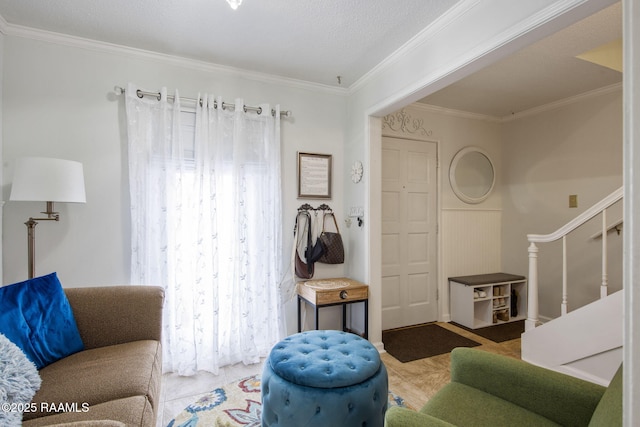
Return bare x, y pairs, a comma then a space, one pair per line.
159, 97
259, 110
223, 107
139, 93
244, 108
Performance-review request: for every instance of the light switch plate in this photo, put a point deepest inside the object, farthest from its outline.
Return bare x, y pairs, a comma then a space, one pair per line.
356, 211
573, 200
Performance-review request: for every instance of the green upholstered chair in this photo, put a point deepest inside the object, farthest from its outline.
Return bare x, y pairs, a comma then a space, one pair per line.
492, 390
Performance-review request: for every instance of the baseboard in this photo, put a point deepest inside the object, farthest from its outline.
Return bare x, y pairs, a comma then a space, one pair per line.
380, 347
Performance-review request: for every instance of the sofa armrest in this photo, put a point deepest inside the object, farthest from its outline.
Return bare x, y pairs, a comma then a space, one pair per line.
117, 314
561, 398
403, 417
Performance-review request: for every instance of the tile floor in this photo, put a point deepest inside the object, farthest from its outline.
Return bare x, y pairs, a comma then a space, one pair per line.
415, 381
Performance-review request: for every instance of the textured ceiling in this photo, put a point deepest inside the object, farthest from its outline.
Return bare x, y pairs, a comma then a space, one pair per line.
318, 40
310, 40
540, 74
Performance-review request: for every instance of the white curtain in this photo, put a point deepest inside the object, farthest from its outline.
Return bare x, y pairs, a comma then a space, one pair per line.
206, 224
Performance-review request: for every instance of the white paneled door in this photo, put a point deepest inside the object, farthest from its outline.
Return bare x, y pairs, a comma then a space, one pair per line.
409, 244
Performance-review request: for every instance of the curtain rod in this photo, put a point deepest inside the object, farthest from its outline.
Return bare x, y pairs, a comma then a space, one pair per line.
141, 93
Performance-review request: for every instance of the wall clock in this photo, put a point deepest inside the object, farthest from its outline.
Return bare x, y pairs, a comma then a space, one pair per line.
356, 171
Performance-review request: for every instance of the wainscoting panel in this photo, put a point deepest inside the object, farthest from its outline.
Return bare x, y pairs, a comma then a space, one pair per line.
471, 244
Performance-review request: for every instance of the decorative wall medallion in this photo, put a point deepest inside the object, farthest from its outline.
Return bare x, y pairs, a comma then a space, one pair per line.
356, 171
403, 122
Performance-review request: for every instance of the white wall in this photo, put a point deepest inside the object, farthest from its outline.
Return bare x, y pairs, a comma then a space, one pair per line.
469, 234
575, 148
472, 35
541, 158
59, 101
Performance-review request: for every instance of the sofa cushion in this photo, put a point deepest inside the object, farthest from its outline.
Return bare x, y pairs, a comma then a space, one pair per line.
100, 375
36, 316
609, 410
130, 411
462, 405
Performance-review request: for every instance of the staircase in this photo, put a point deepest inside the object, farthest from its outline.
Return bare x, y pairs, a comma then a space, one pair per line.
587, 342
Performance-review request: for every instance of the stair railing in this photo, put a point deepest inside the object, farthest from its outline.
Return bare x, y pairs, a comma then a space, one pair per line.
532, 294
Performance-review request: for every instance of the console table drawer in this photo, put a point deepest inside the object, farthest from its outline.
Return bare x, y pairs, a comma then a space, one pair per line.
332, 291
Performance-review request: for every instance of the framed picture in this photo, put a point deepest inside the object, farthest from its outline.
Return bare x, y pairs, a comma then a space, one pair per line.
314, 176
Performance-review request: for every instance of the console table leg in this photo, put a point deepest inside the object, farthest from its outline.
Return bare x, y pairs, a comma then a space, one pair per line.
366, 319
344, 317
299, 321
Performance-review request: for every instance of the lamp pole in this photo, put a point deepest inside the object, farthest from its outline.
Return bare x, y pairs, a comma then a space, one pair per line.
31, 237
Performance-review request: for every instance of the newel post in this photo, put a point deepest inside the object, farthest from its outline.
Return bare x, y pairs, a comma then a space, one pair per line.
532, 289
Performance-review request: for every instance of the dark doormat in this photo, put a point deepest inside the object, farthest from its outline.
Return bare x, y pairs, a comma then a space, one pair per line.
419, 342
498, 333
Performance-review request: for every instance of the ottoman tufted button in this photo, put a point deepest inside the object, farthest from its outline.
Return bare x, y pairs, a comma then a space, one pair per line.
353, 359
309, 371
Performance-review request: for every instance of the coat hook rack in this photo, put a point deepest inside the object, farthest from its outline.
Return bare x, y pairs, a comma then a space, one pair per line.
308, 207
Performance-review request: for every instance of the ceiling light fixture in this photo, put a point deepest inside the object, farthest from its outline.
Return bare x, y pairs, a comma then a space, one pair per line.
234, 3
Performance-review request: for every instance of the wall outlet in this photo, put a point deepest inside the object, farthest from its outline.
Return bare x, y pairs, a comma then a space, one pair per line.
356, 211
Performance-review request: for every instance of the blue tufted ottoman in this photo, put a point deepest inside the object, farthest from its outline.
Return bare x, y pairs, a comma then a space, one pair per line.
324, 378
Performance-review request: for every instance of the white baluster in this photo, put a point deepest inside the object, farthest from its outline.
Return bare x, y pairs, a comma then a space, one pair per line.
532, 294
563, 306
605, 277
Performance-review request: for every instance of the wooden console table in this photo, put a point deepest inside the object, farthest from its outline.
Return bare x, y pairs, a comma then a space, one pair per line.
330, 292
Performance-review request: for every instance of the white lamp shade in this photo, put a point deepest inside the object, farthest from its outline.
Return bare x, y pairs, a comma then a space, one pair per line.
45, 179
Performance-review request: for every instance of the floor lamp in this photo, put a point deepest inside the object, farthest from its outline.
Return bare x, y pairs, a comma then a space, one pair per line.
42, 179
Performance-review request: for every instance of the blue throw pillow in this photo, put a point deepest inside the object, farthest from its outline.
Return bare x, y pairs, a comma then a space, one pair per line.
36, 316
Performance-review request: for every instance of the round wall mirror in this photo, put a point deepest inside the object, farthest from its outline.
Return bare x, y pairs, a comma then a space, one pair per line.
472, 175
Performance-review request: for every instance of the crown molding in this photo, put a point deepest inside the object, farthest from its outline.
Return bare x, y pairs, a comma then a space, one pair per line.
419, 39
104, 47
552, 18
616, 87
3, 25
453, 112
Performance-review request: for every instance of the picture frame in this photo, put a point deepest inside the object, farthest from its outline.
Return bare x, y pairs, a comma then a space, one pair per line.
314, 176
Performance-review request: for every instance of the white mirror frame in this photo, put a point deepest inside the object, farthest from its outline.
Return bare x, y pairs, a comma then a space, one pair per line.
454, 183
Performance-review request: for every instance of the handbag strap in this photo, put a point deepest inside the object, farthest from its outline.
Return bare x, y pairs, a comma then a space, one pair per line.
296, 241
307, 228
334, 221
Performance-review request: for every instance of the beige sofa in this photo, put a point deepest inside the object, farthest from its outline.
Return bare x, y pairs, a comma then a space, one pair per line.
116, 379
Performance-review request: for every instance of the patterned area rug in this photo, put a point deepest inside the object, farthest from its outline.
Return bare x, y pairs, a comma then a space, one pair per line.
235, 404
